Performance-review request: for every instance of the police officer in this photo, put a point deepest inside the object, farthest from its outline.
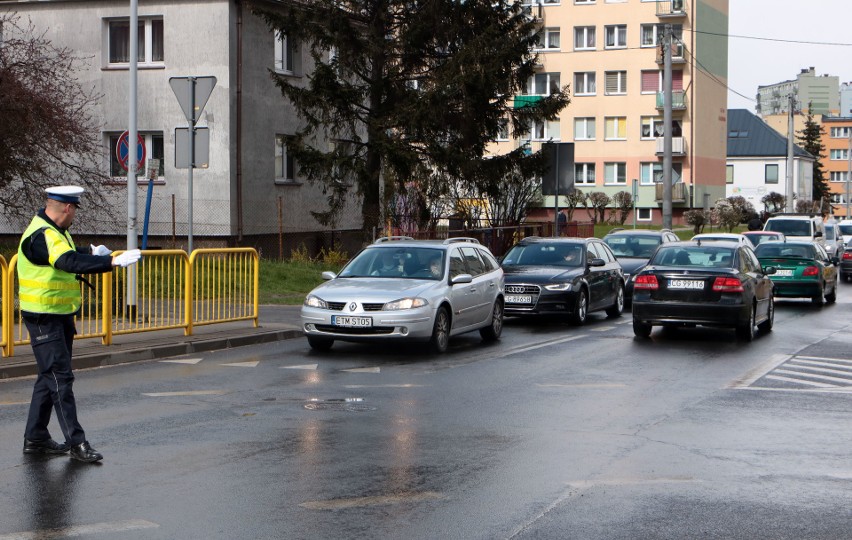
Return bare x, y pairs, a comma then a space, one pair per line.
48, 268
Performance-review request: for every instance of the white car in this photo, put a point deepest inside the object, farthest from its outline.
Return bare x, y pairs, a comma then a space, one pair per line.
846, 230
404, 289
740, 239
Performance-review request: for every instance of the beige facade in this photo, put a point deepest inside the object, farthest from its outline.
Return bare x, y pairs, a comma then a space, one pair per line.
608, 52
836, 162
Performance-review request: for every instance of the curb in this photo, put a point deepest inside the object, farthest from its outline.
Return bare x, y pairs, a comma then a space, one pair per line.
126, 356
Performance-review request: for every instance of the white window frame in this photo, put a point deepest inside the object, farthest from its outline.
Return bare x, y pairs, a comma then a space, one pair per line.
545, 42
147, 52
620, 80
587, 77
655, 33
729, 174
581, 128
588, 170
839, 176
838, 198
547, 130
649, 169
641, 211
285, 54
111, 138
840, 132
551, 82
584, 31
839, 154
284, 164
611, 173
503, 130
619, 35
766, 174
615, 136
653, 123
584, 2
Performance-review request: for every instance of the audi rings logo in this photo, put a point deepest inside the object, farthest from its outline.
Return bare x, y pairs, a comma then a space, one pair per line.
353, 306
515, 289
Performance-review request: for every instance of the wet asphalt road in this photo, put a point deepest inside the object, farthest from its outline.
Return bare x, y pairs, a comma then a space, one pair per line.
554, 432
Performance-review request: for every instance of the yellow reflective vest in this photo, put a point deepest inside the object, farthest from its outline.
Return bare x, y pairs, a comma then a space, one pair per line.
43, 288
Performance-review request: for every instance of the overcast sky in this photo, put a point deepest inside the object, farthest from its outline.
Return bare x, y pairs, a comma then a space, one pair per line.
753, 63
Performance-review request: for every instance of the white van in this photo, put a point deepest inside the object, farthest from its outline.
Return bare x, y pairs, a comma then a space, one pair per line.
797, 227
846, 230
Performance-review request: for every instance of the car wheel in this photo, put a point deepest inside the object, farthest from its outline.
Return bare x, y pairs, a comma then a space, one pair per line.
440, 331
641, 329
618, 307
492, 331
320, 343
766, 326
746, 331
581, 308
832, 296
819, 298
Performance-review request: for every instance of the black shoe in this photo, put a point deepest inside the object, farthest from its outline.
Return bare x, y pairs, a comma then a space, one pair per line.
84, 452
47, 446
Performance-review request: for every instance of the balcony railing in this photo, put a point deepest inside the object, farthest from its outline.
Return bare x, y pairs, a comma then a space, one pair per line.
671, 8
678, 146
678, 100
678, 192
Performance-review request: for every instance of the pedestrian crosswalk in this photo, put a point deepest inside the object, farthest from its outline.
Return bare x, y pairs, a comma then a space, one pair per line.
808, 373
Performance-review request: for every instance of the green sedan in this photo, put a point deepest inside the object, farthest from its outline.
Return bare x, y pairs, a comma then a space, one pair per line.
803, 269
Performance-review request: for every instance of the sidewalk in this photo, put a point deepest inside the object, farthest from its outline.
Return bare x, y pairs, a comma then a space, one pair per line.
275, 323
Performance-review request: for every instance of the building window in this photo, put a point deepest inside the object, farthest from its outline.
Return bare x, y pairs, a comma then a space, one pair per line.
547, 130
840, 132
285, 53
838, 198
584, 38
644, 214
154, 149
584, 173
584, 83
652, 33
503, 130
543, 84
615, 37
149, 41
615, 128
615, 173
772, 174
584, 129
584, 1
285, 167
840, 154
839, 176
548, 39
652, 80
653, 127
729, 174
652, 173
616, 83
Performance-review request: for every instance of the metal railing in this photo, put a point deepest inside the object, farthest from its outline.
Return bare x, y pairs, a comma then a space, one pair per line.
167, 289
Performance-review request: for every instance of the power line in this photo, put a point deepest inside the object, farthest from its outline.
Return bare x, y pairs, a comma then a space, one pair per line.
796, 41
696, 63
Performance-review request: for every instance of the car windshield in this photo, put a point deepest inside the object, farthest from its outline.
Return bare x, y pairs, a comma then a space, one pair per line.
397, 262
641, 247
542, 254
790, 227
707, 256
846, 229
778, 249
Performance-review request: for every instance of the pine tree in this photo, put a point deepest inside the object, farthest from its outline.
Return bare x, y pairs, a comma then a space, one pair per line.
414, 90
810, 139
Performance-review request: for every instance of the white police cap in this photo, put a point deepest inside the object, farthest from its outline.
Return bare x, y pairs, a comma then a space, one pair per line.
66, 194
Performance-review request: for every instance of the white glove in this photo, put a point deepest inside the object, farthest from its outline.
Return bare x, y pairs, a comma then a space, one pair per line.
127, 258
100, 250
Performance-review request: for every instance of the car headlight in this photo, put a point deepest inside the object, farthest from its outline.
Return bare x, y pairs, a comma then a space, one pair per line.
315, 301
558, 287
405, 303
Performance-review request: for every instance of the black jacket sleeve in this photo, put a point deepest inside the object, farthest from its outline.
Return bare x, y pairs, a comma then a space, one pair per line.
73, 262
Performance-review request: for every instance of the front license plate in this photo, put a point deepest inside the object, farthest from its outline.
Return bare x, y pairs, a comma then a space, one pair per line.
518, 299
690, 284
351, 322
784, 273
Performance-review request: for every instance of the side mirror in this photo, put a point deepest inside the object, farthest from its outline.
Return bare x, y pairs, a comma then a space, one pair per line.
835, 261
328, 275
769, 270
597, 262
818, 234
461, 278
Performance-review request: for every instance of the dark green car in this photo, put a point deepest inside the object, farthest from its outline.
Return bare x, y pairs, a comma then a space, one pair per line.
803, 270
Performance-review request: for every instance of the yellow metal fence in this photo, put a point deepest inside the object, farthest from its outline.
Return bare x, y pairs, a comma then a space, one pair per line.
166, 289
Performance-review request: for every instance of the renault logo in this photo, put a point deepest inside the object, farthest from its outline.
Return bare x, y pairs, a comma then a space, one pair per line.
353, 306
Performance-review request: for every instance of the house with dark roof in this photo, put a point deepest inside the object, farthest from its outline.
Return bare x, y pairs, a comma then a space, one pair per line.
757, 161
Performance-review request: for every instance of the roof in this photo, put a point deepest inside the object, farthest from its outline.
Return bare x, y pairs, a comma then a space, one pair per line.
749, 136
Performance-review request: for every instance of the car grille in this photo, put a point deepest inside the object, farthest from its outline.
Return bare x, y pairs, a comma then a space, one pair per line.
371, 331
372, 307
522, 289
336, 306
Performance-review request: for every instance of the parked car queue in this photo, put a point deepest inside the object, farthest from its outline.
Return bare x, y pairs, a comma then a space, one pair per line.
401, 289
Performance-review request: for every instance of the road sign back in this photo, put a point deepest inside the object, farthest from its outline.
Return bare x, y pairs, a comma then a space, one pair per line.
192, 94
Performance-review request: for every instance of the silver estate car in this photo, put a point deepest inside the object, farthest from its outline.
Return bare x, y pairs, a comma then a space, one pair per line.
404, 289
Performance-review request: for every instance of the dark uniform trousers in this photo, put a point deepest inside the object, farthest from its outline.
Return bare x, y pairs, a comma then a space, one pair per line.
51, 337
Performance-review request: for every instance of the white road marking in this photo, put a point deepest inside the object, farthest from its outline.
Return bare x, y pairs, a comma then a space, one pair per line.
303, 366
253, 363
182, 361
813, 376
824, 359
2, 403
812, 366
364, 370
187, 393
602, 328
625, 321
384, 385
82, 530
356, 502
799, 381
539, 346
579, 385
771, 363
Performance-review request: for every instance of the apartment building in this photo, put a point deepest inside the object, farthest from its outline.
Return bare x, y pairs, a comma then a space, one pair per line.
610, 53
249, 188
837, 142
817, 94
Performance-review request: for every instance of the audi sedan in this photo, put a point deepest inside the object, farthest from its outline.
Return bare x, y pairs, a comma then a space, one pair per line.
563, 276
712, 283
804, 270
404, 289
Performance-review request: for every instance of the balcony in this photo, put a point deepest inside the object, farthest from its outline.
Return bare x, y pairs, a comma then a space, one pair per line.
668, 9
678, 100
534, 12
677, 54
679, 193
678, 146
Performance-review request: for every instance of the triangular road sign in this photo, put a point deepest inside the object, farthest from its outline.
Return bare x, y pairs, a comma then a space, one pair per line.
192, 94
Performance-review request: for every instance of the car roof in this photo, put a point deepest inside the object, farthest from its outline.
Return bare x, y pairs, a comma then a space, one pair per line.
696, 243
762, 233
558, 239
637, 232
732, 236
405, 241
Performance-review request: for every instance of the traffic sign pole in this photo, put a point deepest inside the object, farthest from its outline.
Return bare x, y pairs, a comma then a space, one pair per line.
191, 157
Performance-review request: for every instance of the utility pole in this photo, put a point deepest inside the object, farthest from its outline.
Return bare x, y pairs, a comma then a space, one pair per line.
667, 127
791, 105
132, 157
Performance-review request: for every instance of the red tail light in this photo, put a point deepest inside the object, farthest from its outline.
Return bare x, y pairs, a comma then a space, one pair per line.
847, 255
811, 271
727, 284
647, 281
